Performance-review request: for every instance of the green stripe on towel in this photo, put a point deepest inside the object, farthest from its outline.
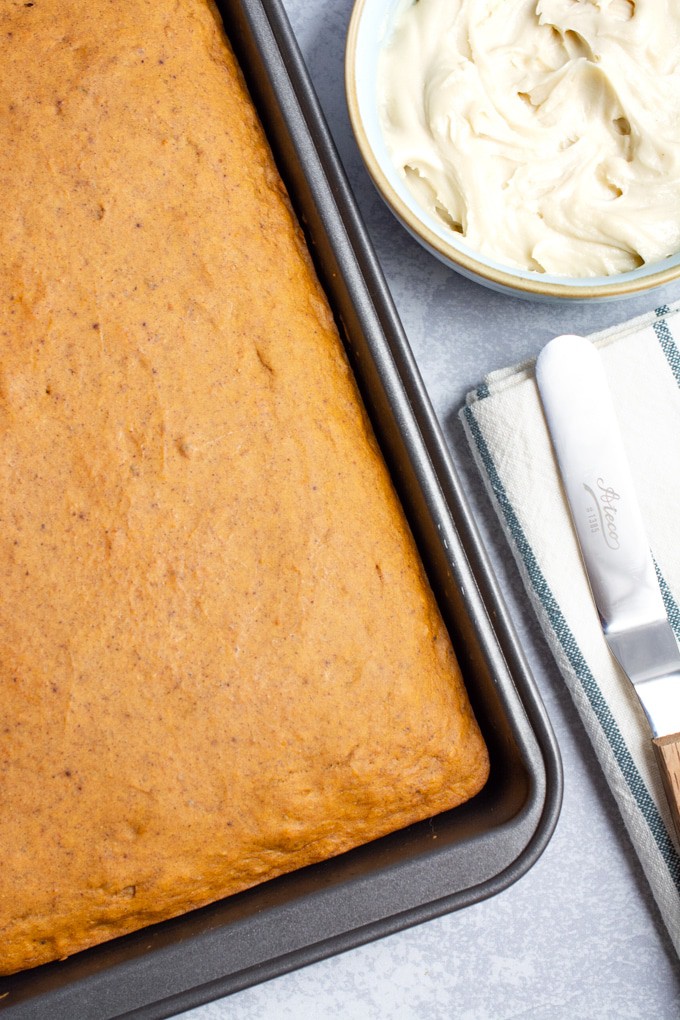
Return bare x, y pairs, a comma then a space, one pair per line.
668, 345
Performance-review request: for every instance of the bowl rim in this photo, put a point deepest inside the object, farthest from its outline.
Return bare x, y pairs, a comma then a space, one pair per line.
449, 253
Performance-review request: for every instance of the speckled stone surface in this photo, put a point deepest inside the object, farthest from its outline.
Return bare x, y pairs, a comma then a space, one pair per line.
578, 937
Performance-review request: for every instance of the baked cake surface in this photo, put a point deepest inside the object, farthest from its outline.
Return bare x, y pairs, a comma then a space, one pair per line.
219, 657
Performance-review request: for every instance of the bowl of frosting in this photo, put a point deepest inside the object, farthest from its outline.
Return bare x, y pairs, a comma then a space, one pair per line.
532, 145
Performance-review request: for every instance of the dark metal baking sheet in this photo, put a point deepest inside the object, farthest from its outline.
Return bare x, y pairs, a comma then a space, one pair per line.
429, 869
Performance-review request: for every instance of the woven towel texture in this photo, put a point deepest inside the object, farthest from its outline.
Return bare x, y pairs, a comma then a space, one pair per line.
506, 430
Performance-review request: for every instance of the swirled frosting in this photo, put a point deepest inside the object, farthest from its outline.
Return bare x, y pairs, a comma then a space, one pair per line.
546, 134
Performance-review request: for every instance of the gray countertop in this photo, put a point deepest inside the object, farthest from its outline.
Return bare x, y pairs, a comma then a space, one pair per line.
579, 935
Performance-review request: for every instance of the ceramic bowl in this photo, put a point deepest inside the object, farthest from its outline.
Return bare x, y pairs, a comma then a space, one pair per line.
369, 28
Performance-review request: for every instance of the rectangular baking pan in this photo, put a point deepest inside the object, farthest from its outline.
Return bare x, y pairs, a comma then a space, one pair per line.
431, 868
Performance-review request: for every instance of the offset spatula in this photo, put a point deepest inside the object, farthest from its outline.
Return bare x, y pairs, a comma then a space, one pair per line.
596, 477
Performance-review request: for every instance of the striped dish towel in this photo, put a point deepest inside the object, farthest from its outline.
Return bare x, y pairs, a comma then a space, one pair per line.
504, 424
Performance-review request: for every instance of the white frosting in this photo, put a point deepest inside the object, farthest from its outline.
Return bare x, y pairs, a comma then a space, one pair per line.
546, 133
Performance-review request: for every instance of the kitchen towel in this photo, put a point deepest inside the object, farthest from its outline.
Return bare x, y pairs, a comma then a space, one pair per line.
504, 424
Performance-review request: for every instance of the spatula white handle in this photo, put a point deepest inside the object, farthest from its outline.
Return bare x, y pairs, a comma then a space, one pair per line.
599, 487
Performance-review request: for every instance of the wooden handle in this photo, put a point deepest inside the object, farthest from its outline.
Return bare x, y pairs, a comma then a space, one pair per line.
667, 751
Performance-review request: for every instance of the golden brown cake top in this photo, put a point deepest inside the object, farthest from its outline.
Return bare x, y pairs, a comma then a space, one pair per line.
219, 657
